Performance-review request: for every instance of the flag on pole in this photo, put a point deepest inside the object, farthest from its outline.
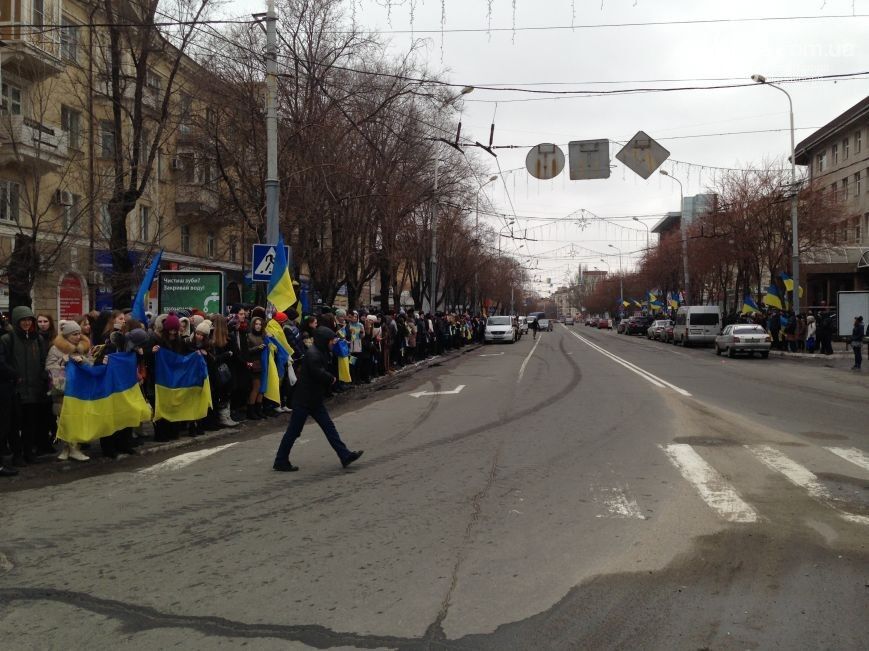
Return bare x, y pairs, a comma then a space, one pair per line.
748, 305
281, 293
772, 299
138, 311
673, 300
789, 283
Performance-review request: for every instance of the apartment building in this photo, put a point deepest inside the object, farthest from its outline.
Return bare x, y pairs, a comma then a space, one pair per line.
837, 160
57, 149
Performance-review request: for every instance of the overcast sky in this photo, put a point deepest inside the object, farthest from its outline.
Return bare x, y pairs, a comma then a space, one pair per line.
699, 54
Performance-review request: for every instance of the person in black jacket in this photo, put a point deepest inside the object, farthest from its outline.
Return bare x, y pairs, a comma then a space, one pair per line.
8, 377
310, 392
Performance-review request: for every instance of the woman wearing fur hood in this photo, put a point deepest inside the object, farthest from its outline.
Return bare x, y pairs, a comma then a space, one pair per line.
70, 344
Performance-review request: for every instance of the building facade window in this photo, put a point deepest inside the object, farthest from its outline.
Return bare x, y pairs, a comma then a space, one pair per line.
105, 221
821, 161
38, 13
209, 245
858, 141
71, 216
835, 154
233, 251
185, 239
846, 147
184, 123
10, 193
70, 122
144, 223
858, 183
844, 195
68, 40
11, 99
858, 236
107, 139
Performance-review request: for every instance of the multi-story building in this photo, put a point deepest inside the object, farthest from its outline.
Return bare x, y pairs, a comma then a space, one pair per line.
837, 160
57, 149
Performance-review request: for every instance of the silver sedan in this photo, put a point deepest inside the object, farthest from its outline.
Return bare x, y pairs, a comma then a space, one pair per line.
743, 338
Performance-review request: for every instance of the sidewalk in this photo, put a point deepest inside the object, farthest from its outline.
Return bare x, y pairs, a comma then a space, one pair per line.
50, 465
839, 358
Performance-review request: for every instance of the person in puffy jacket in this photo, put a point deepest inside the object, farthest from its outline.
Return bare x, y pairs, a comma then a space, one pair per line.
308, 400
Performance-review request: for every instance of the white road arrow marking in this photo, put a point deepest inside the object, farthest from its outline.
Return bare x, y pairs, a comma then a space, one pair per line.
455, 391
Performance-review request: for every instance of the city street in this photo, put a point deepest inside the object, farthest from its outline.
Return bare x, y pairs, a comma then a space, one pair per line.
585, 490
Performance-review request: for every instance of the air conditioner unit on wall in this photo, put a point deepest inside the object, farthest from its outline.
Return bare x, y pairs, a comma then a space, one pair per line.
177, 164
62, 198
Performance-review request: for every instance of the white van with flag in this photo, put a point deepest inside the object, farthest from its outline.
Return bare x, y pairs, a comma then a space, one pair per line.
697, 324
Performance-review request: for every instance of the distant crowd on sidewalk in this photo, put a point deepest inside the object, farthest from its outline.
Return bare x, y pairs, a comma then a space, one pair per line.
804, 333
34, 353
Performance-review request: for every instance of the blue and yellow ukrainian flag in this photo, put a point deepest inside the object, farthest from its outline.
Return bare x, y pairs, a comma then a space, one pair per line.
789, 283
772, 298
181, 386
673, 300
748, 305
281, 293
272, 368
274, 330
101, 400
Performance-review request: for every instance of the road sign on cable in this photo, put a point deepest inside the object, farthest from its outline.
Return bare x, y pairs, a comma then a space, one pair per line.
545, 161
642, 154
589, 159
264, 260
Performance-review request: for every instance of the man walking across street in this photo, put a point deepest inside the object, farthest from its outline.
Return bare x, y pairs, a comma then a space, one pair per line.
310, 391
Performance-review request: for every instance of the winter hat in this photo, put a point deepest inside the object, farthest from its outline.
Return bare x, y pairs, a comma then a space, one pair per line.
185, 325
172, 322
69, 328
183, 313
235, 308
137, 338
259, 311
196, 319
280, 317
204, 327
341, 313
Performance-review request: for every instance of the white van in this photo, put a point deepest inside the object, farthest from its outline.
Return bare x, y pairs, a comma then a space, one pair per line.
697, 324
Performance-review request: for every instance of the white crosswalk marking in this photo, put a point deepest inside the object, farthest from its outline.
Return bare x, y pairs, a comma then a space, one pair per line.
621, 505
183, 460
855, 456
800, 476
711, 486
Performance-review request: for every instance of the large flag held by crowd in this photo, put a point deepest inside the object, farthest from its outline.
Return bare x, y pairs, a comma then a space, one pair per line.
772, 298
748, 305
101, 400
182, 389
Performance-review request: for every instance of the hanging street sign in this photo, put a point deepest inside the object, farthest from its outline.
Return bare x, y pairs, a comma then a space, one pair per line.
545, 161
643, 155
264, 260
589, 159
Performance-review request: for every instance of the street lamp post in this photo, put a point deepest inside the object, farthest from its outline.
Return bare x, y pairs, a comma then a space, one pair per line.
433, 280
795, 241
683, 228
637, 219
477, 305
621, 275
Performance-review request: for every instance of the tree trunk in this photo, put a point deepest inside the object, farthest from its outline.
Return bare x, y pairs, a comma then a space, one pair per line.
23, 266
122, 268
385, 284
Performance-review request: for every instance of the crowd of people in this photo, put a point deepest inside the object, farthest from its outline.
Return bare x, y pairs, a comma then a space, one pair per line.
34, 352
804, 333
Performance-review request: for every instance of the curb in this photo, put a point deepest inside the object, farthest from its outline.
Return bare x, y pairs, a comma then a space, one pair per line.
356, 393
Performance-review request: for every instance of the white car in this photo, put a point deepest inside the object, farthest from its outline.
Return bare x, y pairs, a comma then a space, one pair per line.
500, 328
544, 324
568, 320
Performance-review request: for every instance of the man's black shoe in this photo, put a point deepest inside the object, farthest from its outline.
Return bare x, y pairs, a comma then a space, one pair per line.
7, 472
351, 458
285, 467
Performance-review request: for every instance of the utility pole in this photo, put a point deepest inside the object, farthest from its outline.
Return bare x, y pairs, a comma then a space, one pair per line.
433, 280
272, 184
683, 228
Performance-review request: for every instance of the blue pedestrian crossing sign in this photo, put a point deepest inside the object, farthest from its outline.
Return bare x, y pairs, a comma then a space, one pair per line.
264, 261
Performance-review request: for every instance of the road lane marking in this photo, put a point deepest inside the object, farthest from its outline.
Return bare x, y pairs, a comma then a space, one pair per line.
712, 487
525, 363
620, 505
855, 456
183, 460
453, 392
802, 477
491, 354
643, 373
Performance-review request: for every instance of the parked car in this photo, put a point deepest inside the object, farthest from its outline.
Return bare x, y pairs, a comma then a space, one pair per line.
544, 323
697, 324
592, 321
522, 322
604, 324
623, 324
667, 334
500, 328
657, 328
743, 338
568, 320
637, 325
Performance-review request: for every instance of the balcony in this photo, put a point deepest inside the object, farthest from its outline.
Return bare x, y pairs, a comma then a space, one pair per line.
27, 142
195, 200
33, 57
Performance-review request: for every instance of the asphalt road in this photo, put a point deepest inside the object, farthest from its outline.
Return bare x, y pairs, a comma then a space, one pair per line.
584, 491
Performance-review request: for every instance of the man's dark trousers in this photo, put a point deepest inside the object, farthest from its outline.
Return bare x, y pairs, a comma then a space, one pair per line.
297, 422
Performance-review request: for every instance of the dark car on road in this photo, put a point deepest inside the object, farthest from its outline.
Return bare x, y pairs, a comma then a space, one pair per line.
637, 325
